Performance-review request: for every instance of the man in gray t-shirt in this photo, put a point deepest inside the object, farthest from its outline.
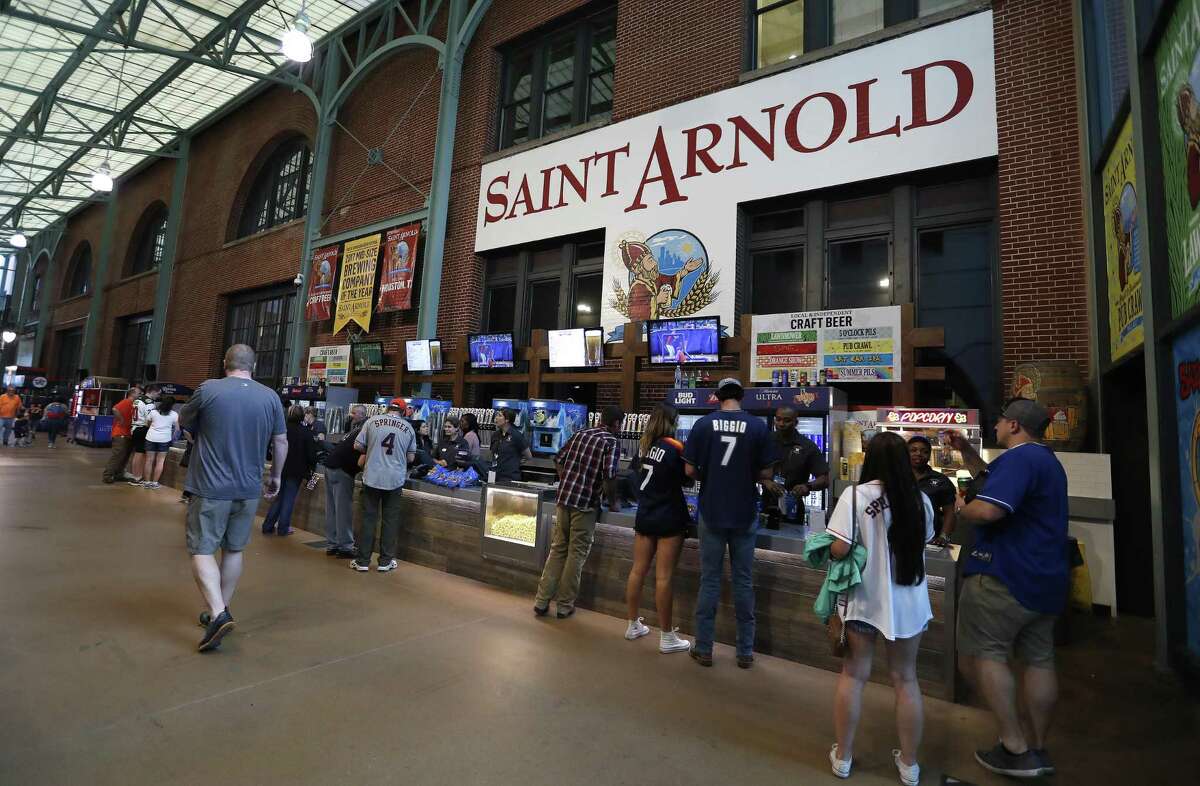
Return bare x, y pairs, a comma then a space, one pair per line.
233, 419
388, 444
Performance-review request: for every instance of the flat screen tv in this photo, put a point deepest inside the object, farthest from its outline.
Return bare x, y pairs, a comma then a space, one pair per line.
576, 348
678, 341
490, 350
424, 354
367, 356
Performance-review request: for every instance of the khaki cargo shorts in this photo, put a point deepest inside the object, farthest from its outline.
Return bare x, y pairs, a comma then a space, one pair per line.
223, 524
993, 625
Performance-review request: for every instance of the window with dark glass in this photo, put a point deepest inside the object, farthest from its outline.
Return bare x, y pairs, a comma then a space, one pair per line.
79, 272
280, 193
152, 238
548, 286
66, 365
777, 246
35, 302
558, 79
1106, 66
782, 30
260, 320
859, 273
131, 355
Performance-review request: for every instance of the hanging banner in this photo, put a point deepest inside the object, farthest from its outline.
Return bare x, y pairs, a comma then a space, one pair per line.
665, 186
815, 347
331, 364
358, 283
1122, 249
318, 306
1186, 351
1177, 66
399, 267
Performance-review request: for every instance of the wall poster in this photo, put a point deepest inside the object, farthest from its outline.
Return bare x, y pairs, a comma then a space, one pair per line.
848, 345
331, 364
1177, 69
1186, 354
318, 306
399, 267
355, 290
1122, 248
665, 186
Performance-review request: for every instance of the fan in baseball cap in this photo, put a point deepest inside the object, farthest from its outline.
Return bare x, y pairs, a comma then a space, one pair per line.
397, 403
729, 388
1031, 416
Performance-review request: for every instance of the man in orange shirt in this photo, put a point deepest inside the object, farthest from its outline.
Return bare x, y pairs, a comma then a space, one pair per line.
114, 470
10, 407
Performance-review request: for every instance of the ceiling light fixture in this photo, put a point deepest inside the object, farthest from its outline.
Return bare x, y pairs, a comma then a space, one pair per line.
8, 336
102, 178
295, 43
18, 240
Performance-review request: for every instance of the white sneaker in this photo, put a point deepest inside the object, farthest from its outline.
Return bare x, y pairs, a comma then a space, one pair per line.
150, 484
134, 481
636, 629
388, 567
840, 768
909, 776
669, 641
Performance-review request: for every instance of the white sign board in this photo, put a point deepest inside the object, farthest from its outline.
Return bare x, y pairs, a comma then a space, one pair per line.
566, 348
847, 345
331, 364
665, 185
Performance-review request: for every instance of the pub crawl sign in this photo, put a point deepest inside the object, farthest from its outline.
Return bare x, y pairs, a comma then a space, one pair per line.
665, 186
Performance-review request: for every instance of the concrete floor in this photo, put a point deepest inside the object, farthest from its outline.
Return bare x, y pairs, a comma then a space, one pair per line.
424, 678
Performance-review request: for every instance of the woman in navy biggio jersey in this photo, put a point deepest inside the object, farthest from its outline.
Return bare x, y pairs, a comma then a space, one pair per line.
662, 520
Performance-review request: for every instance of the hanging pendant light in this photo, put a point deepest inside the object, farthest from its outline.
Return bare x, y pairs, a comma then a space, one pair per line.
102, 178
295, 43
18, 240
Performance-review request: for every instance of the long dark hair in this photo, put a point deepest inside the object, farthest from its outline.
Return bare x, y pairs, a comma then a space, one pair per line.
661, 424
166, 404
887, 461
469, 423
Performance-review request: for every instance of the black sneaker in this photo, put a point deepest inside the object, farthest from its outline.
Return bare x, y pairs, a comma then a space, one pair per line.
1003, 762
346, 554
332, 551
562, 615
1044, 760
216, 630
361, 568
745, 661
703, 658
205, 618
541, 611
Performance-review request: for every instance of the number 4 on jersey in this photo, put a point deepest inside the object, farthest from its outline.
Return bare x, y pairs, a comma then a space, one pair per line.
389, 442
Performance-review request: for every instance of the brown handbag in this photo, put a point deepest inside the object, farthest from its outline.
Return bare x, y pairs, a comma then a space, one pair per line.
837, 627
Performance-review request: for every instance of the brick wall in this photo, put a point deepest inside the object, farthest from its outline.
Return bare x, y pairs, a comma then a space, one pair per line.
1042, 258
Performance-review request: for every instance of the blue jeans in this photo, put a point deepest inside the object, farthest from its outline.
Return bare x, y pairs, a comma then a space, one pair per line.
54, 428
6, 429
281, 508
713, 543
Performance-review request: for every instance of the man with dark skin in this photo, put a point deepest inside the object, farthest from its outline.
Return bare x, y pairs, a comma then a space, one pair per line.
802, 464
935, 485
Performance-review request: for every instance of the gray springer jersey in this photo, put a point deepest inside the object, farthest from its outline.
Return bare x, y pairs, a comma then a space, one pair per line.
388, 439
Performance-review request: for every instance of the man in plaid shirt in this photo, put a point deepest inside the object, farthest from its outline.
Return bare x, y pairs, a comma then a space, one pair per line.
589, 459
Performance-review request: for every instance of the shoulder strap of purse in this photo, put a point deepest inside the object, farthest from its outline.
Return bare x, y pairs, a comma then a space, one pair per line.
853, 514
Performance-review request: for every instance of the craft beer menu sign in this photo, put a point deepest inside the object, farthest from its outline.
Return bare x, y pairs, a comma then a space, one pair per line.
848, 345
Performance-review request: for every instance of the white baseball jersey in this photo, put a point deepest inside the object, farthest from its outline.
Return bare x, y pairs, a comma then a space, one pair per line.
387, 440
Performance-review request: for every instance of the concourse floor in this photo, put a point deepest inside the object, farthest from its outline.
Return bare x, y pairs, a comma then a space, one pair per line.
419, 677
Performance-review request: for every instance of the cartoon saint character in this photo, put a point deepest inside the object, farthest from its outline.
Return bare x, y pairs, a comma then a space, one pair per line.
322, 273
1124, 246
1187, 111
651, 291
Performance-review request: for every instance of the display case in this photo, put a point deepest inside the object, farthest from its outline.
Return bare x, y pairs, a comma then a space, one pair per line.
931, 423
91, 407
514, 531
551, 424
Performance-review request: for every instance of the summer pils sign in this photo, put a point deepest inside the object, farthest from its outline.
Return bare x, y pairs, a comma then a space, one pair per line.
665, 186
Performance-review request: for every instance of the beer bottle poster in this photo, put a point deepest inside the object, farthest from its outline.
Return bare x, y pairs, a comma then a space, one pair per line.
318, 306
849, 345
399, 266
1122, 247
357, 286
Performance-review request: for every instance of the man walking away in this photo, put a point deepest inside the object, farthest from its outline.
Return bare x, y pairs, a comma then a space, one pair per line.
730, 452
587, 463
388, 444
10, 405
1015, 586
142, 407
122, 430
341, 465
232, 419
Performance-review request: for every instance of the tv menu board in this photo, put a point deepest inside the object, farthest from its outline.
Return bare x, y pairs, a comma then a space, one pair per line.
491, 350
424, 354
576, 348
695, 340
367, 356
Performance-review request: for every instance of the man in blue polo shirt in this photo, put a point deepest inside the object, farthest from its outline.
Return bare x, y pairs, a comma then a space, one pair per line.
730, 452
1015, 586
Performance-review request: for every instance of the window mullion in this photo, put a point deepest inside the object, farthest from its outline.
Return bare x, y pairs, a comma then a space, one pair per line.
582, 73
537, 88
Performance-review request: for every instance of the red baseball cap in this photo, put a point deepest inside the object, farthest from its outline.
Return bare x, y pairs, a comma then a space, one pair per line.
397, 403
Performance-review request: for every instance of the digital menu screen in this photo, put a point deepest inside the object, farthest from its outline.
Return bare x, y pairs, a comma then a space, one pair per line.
424, 354
576, 348
491, 350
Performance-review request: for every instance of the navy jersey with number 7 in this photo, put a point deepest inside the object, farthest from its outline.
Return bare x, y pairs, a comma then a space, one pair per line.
729, 448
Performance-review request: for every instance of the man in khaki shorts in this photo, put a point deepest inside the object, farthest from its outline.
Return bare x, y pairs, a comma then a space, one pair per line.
1015, 586
232, 420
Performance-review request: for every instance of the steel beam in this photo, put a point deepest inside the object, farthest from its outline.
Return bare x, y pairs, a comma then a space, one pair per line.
47, 243
87, 353
166, 268
93, 143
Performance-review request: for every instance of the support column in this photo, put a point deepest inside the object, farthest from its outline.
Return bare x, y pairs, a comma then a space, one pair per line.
166, 268
326, 116
87, 354
48, 295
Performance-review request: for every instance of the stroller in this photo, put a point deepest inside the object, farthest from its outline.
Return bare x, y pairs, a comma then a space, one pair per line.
21, 437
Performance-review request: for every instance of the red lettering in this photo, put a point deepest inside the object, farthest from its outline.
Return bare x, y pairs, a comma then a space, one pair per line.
862, 105
500, 200
765, 144
546, 189
611, 155
792, 132
565, 174
964, 86
522, 198
697, 154
666, 176
1189, 378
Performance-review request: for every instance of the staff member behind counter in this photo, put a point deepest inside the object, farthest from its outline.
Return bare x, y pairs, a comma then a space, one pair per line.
939, 488
509, 448
802, 464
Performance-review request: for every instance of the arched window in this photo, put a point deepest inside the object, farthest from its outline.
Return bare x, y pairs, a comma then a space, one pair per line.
79, 272
147, 249
280, 191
